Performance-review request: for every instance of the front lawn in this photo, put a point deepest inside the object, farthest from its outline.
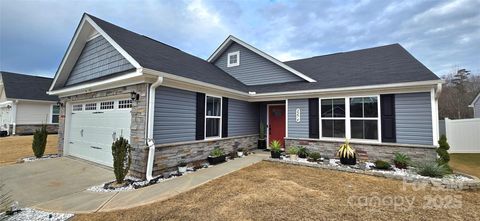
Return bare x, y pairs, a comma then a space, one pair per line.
466, 163
273, 191
13, 148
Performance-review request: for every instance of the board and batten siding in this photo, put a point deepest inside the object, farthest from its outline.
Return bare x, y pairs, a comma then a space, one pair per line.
413, 116
174, 119
298, 129
254, 69
242, 118
98, 59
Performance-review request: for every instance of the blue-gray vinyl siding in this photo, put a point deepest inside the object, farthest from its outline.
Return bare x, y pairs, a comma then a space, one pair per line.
98, 59
413, 116
174, 115
254, 69
242, 118
298, 129
476, 109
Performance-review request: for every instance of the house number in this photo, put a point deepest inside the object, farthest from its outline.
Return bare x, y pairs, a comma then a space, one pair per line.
297, 115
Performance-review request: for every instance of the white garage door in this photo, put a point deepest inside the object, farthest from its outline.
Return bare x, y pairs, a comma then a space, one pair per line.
94, 126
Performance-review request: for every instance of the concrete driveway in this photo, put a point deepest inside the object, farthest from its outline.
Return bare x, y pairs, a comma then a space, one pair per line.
32, 183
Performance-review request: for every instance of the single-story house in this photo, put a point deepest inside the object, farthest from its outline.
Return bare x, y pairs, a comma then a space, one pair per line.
24, 105
175, 107
476, 106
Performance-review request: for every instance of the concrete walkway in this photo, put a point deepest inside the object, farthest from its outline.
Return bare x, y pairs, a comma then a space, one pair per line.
88, 202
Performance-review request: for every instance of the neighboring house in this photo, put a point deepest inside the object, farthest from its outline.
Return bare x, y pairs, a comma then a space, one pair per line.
25, 104
476, 106
174, 107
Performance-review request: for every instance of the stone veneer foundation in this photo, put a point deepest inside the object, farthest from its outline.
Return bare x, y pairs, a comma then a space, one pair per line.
370, 152
168, 156
137, 127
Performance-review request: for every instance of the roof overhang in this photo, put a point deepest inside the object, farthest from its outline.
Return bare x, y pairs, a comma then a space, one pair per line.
232, 39
84, 32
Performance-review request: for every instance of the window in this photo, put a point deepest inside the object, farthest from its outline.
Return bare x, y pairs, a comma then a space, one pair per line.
233, 59
106, 105
122, 104
364, 118
77, 107
213, 116
91, 106
333, 117
55, 114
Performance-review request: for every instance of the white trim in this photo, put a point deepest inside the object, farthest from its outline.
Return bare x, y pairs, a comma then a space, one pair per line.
435, 126
212, 117
268, 122
231, 38
229, 64
79, 29
475, 100
286, 118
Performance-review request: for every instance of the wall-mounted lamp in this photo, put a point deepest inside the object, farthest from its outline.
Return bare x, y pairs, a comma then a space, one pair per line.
59, 103
134, 96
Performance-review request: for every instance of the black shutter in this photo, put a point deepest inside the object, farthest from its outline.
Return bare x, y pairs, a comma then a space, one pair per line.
224, 117
313, 118
387, 102
200, 117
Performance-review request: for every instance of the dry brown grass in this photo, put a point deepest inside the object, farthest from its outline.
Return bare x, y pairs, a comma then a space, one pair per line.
272, 191
15, 147
466, 163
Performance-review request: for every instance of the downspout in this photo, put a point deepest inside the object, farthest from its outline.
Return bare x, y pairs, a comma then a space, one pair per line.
14, 117
150, 141
438, 91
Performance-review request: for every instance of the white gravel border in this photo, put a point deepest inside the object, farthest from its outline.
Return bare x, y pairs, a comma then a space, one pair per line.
45, 157
36, 215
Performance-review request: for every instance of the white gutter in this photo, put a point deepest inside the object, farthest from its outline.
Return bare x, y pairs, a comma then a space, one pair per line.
150, 141
438, 91
14, 117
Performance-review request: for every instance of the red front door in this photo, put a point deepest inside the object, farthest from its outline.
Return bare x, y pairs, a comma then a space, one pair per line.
276, 123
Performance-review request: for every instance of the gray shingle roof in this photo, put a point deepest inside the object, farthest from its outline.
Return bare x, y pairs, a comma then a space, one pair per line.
380, 65
21, 86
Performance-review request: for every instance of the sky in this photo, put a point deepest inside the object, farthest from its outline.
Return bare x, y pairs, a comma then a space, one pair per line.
443, 35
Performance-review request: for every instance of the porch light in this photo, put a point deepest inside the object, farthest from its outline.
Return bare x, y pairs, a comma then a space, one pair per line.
59, 103
134, 96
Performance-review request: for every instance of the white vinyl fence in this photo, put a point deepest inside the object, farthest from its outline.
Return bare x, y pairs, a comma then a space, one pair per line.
463, 135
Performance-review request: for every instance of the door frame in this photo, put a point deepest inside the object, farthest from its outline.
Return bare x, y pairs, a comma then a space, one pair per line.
268, 121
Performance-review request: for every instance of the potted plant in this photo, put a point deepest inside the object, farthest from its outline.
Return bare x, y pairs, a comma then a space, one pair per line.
275, 149
240, 152
347, 154
292, 152
303, 152
182, 167
262, 143
216, 156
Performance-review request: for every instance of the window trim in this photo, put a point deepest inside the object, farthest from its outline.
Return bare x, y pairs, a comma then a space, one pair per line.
236, 53
348, 120
51, 114
214, 117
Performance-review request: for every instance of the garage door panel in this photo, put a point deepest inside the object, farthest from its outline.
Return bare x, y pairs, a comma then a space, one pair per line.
92, 133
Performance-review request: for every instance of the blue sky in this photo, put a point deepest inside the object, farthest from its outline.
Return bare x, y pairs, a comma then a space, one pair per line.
443, 35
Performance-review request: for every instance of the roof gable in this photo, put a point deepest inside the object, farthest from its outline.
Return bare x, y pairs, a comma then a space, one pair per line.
231, 39
27, 87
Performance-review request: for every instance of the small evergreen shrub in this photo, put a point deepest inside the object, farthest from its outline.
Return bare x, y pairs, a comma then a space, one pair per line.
303, 152
314, 156
39, 141
292, 150
401, 161
122, 158
442, 152
382, 165
431, 169
216, 152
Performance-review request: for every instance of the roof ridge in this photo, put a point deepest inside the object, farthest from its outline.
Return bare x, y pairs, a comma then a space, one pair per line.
346, 52
28, 75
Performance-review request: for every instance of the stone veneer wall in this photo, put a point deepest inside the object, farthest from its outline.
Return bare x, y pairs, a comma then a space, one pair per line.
28, 129
370, 152
168, 156
137, 127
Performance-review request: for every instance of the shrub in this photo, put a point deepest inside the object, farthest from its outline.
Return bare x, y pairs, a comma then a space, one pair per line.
122, 158
401, 160
346, 151
431, 169
303, 152
442, 152
292, 150
182, 164
382, 165
314, 156
276, 146
39, 141
216, 152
